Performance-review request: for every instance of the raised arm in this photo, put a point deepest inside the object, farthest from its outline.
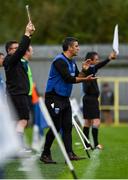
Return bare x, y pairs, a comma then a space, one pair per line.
112, 56
23, 45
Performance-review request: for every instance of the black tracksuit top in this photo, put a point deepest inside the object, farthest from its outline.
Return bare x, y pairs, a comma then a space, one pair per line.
90, 88
17, 82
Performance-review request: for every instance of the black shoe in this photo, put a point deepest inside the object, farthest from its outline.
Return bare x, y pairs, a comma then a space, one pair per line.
74, 157
47, 159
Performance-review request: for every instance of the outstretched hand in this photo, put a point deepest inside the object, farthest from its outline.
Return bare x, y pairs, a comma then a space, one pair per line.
112, 55
91, 77
86, 64
30, 28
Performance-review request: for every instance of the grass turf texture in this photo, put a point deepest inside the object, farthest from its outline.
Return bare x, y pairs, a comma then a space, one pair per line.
110, 163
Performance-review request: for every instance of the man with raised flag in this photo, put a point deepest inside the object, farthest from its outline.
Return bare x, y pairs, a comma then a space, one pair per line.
91, 111
17, 81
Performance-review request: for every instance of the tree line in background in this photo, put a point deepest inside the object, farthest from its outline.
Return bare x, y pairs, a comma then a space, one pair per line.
91, 21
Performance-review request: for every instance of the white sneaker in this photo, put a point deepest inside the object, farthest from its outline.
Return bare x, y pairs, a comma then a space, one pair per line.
99, 146
24, 153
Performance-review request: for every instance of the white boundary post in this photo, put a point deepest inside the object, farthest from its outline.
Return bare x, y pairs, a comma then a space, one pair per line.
79, 133
86, 139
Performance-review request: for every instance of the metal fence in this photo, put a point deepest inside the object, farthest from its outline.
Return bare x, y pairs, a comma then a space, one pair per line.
119, 105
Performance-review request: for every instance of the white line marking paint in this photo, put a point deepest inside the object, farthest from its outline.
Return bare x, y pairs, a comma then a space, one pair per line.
93, 165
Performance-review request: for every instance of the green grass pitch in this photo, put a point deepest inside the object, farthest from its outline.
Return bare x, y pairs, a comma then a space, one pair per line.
109, 163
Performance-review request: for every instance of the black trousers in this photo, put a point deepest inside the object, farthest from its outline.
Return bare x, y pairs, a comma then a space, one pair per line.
61, 114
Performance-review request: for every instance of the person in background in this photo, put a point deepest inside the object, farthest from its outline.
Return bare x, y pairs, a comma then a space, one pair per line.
91, 112
1, 59
1, 87
2, 84
25, 60
107, 98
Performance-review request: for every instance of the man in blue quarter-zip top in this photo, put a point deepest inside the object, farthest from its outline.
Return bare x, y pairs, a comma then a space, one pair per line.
63, 74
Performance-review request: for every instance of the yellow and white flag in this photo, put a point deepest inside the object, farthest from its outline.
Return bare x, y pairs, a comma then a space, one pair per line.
116, 40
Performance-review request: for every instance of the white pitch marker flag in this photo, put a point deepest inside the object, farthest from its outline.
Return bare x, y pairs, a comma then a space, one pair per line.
116, 40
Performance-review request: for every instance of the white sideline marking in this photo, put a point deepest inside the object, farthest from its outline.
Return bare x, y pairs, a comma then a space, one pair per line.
30, 167
93, 165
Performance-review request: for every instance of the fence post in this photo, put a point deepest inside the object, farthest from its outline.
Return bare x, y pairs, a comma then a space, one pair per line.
116, 102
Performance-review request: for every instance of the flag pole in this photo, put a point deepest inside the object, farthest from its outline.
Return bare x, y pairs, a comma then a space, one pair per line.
83, 134
74, 122
28, 12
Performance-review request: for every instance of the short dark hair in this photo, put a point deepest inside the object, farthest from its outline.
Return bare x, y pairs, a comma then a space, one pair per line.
90, 55
9, 43
1, 54
68, 42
